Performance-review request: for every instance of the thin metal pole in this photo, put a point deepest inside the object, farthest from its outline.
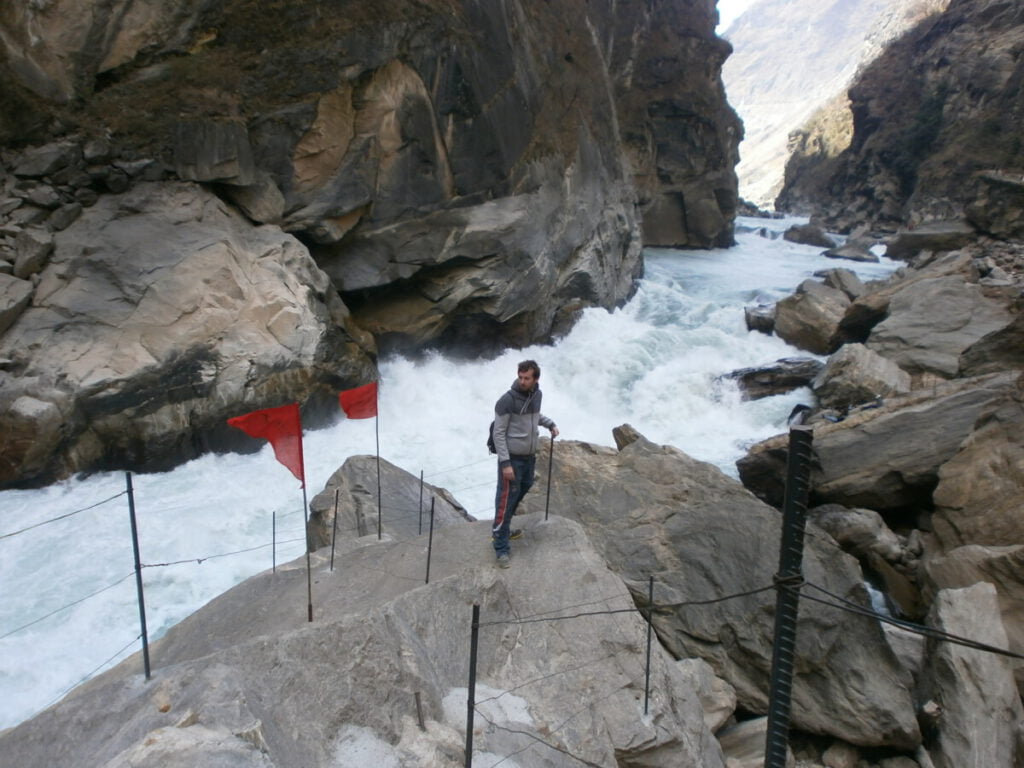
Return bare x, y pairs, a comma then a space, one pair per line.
551, 461
430, 541
334, 532
471, 698
138, 573
376, 429
787, 600
421, 504
419, 711
309, 576
650, 615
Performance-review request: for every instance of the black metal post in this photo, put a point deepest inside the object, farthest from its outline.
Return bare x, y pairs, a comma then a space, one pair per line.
787, 600
650, 615
430, 540
380, 522
138, 573
309, 576
334, 531
471, 698
551, 461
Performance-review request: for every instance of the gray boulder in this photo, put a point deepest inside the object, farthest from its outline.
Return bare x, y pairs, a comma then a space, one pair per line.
979, 492
248, 681
653, 511
809, 234
932, 322
856, 375
999, 566
979, 718
884, 458
15, 295
48, 159
405, 507
852, 251
177, 316
946, 235
32, 248
776, 378
858, 531
760, 318
844, 280
717, 697
810, 317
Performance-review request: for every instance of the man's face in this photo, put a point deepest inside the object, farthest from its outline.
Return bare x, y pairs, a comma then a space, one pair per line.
527, 381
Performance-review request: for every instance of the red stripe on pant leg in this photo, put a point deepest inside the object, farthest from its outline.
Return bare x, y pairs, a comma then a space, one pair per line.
499, 516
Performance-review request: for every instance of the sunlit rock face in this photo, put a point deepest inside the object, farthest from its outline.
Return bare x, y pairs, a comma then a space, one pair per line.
933, 132
793, 63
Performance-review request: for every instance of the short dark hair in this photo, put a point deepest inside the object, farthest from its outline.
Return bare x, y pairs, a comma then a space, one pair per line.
530, 365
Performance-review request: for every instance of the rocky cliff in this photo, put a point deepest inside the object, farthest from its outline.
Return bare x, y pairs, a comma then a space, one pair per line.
935, 129
389, 176
791, 58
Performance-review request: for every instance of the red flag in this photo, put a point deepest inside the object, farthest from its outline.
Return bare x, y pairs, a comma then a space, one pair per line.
361, 402
283, 428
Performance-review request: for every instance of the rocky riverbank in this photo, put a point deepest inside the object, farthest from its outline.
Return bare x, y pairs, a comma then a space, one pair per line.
919, 460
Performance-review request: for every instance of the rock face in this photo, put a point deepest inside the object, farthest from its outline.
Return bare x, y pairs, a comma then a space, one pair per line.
405, 507
932, 323
127, 355
928, 114
808, 70
885, 458
247, 681
653, 511
776, 378
855, 375
979, 491
979, 707
469, 175
810, 317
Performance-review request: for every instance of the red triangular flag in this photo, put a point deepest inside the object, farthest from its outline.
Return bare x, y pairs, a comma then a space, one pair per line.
361, 402
283, 428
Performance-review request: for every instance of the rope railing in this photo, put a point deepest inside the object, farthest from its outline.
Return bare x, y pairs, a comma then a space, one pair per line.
66, 607
91, 674
62, 517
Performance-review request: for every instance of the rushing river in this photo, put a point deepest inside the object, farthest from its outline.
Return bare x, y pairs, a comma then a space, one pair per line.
69, 605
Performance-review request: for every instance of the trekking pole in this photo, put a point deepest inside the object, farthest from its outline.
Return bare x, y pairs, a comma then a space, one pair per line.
551, 461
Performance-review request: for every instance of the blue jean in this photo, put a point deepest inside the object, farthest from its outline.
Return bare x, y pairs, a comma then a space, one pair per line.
507, 498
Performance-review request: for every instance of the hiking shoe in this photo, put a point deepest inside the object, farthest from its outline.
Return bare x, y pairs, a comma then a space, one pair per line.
504, 560
516, 534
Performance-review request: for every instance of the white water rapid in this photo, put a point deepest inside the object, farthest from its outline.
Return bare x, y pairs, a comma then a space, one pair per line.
69, 605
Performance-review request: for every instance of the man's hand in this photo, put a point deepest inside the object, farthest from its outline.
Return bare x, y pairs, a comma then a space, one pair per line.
508, 473
554, 432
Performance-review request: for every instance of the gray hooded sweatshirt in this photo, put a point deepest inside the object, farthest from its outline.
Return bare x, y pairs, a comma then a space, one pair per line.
516, 418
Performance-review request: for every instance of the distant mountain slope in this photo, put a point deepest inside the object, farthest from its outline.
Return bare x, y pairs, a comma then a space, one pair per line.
791, 57
942, 103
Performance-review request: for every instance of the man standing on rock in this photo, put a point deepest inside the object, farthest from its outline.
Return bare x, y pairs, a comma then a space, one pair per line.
516, 418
